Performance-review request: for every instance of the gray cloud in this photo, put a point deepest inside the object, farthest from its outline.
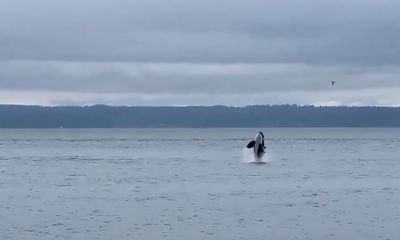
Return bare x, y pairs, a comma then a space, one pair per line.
176, 78
197, 83
305, 31
182, 52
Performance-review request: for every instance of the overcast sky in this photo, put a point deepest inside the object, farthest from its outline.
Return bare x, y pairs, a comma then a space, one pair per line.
203, 52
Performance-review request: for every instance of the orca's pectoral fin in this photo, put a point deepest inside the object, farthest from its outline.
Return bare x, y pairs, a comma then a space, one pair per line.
251, 144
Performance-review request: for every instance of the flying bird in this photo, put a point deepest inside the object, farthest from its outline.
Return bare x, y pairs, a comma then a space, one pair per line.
333, 83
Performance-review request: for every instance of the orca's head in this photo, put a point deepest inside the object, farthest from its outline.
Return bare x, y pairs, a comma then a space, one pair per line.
261, 134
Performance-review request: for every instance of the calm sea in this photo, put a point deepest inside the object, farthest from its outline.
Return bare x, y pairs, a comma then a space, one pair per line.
199, 184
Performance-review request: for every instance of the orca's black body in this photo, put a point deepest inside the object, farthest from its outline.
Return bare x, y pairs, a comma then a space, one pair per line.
258, 146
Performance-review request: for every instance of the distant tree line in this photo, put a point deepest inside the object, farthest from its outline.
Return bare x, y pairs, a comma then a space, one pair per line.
102, 116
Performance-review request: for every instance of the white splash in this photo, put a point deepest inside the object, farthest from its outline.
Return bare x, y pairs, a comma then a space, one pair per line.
248, 156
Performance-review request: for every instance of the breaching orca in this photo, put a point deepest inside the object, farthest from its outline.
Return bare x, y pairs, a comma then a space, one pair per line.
258, 145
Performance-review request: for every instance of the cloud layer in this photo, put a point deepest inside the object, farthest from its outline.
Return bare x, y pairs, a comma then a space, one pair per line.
180, 52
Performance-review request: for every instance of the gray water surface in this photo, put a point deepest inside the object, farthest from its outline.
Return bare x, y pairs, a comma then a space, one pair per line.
199, 184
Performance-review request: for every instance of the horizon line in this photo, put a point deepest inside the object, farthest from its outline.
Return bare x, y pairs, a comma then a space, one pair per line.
184, 106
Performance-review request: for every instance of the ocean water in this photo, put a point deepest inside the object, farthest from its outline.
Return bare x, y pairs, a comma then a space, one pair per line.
199, 184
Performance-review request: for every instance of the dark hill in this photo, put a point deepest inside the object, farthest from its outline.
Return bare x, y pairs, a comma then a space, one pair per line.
101, 116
